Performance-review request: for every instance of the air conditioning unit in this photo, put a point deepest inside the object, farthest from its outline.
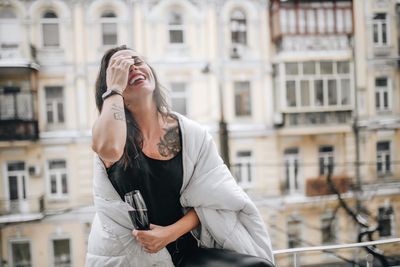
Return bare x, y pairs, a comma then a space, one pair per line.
34, 170
278, 119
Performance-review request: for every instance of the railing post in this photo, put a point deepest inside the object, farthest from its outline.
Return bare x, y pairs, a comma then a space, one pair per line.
295, 260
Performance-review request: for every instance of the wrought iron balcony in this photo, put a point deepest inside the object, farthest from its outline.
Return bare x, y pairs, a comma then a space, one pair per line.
17, 117
317, 118
21, 206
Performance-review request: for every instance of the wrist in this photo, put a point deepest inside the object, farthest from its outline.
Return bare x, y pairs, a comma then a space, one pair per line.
173, 233
111, 91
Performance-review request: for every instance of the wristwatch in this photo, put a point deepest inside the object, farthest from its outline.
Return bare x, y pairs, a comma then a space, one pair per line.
111, 92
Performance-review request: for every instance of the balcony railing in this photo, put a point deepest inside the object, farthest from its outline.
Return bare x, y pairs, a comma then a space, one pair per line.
17, 117
294, 253
22, 206
317, 118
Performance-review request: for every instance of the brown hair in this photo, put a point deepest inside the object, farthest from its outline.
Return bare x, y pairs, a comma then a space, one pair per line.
134, 137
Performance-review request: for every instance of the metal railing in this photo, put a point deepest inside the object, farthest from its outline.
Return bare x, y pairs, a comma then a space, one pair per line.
369, 260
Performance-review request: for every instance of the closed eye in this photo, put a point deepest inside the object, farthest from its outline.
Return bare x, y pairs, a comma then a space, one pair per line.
138, 61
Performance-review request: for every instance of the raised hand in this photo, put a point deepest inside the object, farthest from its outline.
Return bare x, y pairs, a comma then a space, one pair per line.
117, 72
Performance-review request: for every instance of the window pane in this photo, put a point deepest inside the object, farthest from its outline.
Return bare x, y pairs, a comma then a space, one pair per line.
291, 93
291, 68
332, 92
62, 254
50, 34
343, 67
57, 164
176, 36
64, 183
375, 34
381, 82
345, 83
319, 93
53, 184
326, 67
305, 93
377, 100
60, 112
384, 33
309, 67
21, 254
242, 99
109, 31
383, 146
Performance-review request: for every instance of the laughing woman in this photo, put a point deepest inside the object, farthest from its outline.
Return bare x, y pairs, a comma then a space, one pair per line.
193, 201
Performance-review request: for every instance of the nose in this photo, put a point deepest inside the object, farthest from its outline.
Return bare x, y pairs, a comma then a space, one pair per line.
133, 67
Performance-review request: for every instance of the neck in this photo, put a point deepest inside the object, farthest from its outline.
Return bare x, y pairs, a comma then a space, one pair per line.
147, 117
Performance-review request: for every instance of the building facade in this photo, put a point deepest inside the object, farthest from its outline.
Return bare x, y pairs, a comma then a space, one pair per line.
299, 85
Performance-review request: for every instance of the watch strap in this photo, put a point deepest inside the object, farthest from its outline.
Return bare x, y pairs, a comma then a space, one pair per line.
110, 92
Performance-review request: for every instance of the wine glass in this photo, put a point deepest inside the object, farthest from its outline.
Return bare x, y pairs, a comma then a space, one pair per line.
138, 213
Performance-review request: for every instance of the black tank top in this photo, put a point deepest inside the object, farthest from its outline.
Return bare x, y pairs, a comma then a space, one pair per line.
160, 182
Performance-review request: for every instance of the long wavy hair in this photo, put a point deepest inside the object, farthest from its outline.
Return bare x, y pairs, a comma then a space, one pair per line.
134, 137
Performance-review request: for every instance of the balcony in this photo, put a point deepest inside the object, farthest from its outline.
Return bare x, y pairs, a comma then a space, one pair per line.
21, 210
17, 120
317, 118
319, 186
311, 25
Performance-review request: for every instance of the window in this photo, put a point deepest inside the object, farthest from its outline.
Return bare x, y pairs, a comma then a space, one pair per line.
328, 228
382, 94
291, 158
380, 29
54, 104
16, 178
385, 221
294, 233
383, 164
21, 254
242, 98
326, 158
179, 97
175, 25
317, 84
62, 253
50, 29
238, 27
58, 182
243, 168
9, 29
109, 28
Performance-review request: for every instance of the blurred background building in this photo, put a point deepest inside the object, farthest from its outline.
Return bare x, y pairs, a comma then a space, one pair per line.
285, 87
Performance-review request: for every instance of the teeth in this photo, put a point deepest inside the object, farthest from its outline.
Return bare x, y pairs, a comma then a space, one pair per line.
137, 78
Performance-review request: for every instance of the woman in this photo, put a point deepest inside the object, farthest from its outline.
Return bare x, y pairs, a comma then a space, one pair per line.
191, 196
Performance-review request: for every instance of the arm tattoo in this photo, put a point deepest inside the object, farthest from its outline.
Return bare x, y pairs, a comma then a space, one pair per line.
119, 113
170, 143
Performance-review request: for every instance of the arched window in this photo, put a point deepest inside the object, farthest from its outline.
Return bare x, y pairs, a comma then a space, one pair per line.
109, 34
9, 29
50, 29
238, 27
175, 28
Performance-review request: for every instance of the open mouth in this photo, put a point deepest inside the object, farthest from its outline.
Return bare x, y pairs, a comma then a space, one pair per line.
137, 79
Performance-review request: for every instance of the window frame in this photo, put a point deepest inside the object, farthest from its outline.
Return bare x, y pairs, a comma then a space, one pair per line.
52, 256
312, 79
240, 22
249, 170
391, 218
382, 155
10, 251
44, 21
180, 95
325, 156
176, 27
59, 172
292, 162
379, 24
381, 90
240, 90
108, 20
55, 107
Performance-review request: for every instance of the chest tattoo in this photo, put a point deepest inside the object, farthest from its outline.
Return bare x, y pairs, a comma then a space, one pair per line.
170, 144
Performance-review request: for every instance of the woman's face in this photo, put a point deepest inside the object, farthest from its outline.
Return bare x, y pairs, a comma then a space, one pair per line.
141, 80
